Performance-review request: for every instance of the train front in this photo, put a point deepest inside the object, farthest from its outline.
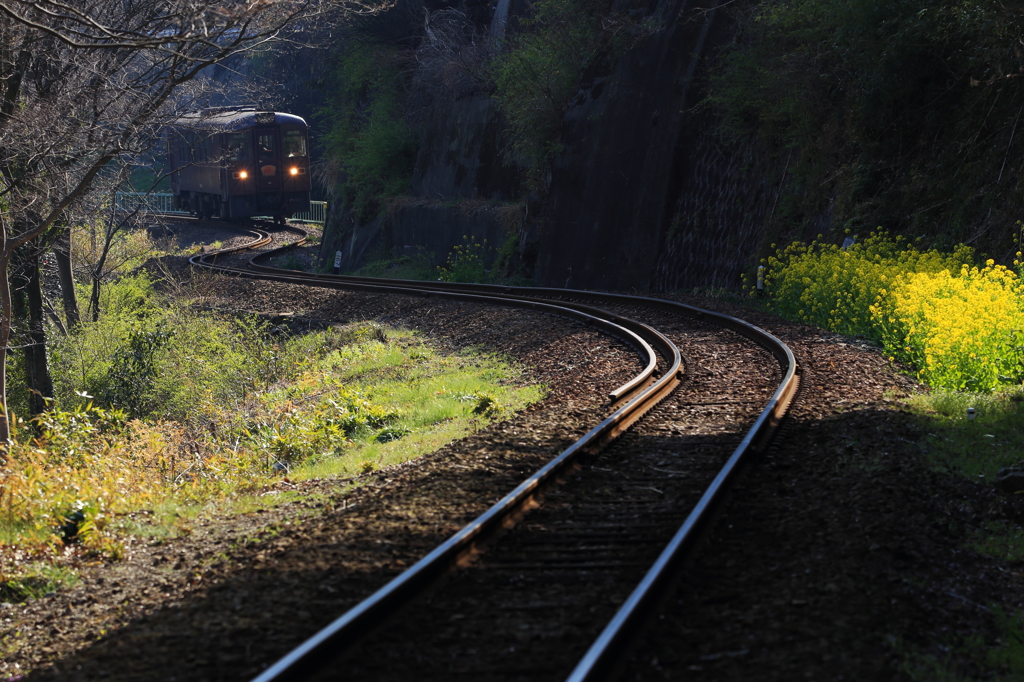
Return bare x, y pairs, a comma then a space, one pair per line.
268, 166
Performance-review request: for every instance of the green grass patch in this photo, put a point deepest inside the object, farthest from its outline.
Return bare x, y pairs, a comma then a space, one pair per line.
165, 413
1000, 540
976, 448
416, 267
35, 580
974, 657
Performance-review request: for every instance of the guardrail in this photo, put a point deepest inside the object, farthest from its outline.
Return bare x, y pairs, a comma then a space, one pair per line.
317, 213
154, 202
163, 202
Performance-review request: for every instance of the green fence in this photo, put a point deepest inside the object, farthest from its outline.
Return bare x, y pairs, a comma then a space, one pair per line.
163, 202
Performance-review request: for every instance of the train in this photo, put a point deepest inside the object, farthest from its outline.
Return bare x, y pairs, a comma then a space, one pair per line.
239, 162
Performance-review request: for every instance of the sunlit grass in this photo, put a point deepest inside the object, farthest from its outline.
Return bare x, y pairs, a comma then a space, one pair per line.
35, 580
223, 410
976, 448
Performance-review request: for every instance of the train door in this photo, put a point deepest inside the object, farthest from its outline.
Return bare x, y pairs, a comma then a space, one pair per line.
268, 160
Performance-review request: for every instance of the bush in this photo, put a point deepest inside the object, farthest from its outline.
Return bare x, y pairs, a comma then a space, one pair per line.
539, 69
368, 136
465, 263
962, 330
960, 326
834, 288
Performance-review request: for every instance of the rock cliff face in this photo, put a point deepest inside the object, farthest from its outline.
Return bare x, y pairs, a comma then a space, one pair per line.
459, 185
611, 195
646, 193
460, 153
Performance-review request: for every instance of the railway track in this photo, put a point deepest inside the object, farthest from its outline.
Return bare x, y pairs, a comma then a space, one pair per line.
566, 587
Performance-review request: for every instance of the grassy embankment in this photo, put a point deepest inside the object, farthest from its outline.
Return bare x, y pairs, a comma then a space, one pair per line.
163, 408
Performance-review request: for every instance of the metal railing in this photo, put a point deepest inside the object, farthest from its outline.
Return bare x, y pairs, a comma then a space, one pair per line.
317, 213
155, 202
163, 202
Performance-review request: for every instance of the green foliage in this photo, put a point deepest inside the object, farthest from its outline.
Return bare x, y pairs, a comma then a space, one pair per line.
222, 406
538, 71
976, 449
326, 426
465, 262
904, 112
133, 371
367, 134
34, 581
69, 434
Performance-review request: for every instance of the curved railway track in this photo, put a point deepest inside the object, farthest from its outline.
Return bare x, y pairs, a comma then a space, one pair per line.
600, 552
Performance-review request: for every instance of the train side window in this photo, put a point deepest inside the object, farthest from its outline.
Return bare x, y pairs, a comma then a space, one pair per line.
294, 143
238, 147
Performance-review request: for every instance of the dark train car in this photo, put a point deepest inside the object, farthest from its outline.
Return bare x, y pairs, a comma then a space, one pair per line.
238, 162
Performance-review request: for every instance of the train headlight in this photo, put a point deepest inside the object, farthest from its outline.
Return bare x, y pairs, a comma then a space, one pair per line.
293, 170
240, 175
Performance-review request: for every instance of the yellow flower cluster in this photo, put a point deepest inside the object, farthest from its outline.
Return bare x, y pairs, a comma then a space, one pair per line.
963, 330
961, 326
834, 288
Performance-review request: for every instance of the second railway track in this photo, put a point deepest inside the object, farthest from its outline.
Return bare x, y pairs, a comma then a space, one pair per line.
558, 596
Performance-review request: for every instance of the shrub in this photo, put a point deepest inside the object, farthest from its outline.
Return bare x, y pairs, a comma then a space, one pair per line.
962, 330
960, 326
538, 71
465, 263
367, 134
834, 288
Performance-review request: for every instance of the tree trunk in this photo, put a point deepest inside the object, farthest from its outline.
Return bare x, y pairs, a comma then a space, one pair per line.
27, 309
62, 252
5, 337
40, 384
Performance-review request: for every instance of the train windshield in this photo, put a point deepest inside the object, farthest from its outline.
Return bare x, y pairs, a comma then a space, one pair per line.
238, 147
294, 143
265, 142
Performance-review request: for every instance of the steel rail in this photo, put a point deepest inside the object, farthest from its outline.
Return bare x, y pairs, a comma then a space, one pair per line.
599, 663
354, 624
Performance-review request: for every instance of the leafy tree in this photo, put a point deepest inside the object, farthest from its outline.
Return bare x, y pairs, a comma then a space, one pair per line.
369, 142
903, 113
